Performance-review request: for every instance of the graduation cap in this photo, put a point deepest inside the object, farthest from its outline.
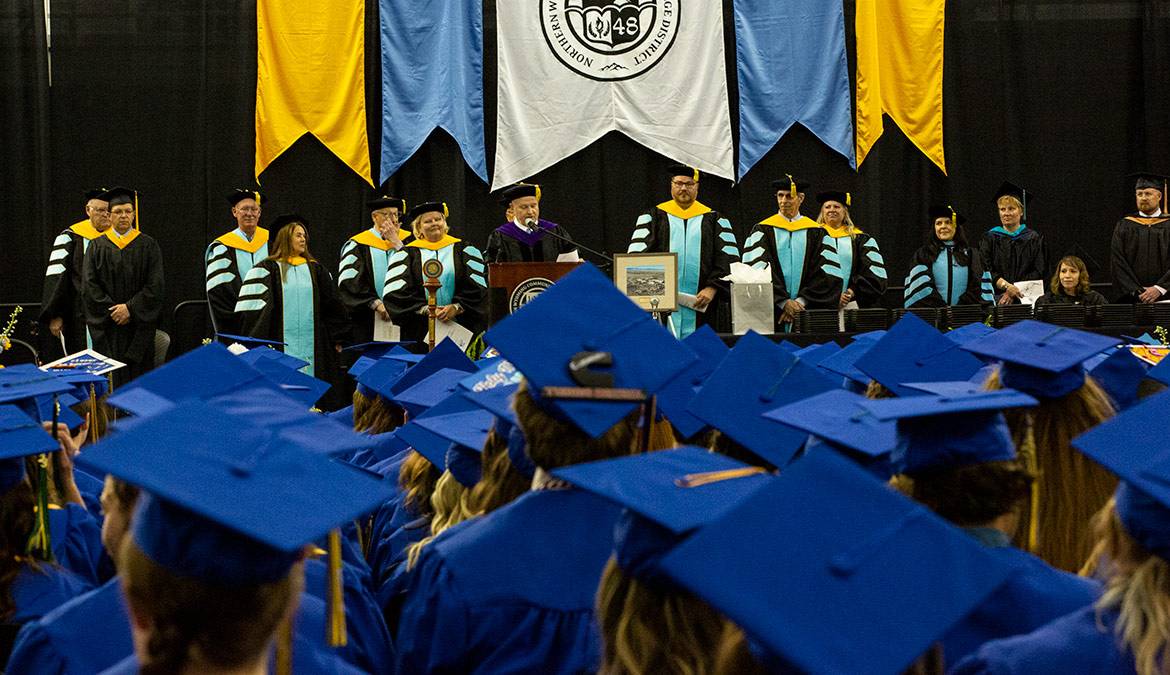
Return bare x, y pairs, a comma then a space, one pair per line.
1039, 358
1132, 445
96, 193
469, 428
1119, 374
430, 391
427, 207
754, 377
843, 363
582, 335
248, 342
843, 198
790, 184
1008, 189
851, 578
24, 382
1148, 181
493, 373
377, 377
936, 212
675, 170
667, 495
121, 195
20, 437
376, 349
914, 351
285, 360
288, 219
518, 191
814, 354
674, 398
968, 332
497, 401
385, 201
83, 381
446, 354
239, 194
839, 419
950, 431
235, 502
298, 386
199, 374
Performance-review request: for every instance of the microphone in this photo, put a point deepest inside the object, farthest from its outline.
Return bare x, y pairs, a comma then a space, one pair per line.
530, 223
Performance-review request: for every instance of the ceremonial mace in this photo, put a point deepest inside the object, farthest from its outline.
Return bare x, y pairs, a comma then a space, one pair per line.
432, 269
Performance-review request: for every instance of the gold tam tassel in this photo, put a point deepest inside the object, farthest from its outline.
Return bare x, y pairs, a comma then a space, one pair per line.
284, 647
335, 626
1028, 451
40, 539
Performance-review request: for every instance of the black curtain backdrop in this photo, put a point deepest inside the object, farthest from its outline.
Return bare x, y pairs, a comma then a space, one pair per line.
1062, 96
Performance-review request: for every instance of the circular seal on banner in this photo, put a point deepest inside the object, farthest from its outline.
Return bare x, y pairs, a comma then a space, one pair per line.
527, 291
610, 39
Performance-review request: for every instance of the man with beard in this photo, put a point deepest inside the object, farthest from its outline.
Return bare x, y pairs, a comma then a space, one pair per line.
1140, 251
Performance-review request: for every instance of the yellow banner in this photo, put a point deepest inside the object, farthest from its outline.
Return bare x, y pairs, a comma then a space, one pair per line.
900, 73
310, 78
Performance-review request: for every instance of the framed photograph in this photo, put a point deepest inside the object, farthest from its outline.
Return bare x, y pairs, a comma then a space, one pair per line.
649, 279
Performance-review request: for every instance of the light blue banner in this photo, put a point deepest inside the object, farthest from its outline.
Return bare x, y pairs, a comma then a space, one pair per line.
790, 56
432, 76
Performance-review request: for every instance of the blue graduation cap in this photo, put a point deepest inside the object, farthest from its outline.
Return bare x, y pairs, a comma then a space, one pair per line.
914, 351
1160, 372
952, 430
1119, 374
843, 363
298, 386
1133, 446
841, 421
427, 443
464, 464
873, 335
428, 392
757, 376
789, 346
82, 380
259, 354
379, 376
815, 354
469, 429
668, 494
674, 398
1039, 358
376, 349
831, 571
250, 342
235, 502
20, 436
498, 373
200, 373
582, 332
24, 382
968, 332
446, 354
497, 401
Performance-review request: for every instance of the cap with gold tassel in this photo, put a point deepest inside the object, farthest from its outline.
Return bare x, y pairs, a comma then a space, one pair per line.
335, 625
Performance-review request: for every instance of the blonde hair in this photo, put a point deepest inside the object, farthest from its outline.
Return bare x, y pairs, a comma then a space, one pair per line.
1071, 486
500, 482
414, 225
375, 415
651, 628
876, 390
451, 505
1009, 199
417, 478
847, 221
1137, 588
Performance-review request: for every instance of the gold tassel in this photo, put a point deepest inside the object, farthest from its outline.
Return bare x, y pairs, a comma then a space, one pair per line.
537, 192
335, 627
136, 225
446, 213
92, 414
954, 217
40, 539
698, 479
791, 185
696, 175
1028, 450
848, 200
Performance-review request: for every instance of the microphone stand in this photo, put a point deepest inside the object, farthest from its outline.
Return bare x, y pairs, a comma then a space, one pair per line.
607, 258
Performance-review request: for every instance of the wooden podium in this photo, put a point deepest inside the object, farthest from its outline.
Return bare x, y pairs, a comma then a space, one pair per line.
512, 285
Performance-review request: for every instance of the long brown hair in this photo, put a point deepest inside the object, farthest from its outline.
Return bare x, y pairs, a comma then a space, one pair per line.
553, 443
654, 628
501, 482
1071, 486
197, 622
16, 522
1137, 588
282, 249
375, 415
1082, 279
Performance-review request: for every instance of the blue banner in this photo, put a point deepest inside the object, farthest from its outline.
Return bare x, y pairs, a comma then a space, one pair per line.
432, 76
792, 67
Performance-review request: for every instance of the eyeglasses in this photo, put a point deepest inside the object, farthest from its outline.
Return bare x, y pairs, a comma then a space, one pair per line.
248, 209
684, 185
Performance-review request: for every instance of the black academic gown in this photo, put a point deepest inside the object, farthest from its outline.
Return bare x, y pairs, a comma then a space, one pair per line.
503, 246
359, 281
62, 296
130, 272
1088, 299
922, 289
261, 311
406, 298
815, 289
1140, 255
867, 268
223, 276
717, 250
1019, 258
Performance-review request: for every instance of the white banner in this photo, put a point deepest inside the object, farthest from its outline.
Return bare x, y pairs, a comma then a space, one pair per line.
572, 70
